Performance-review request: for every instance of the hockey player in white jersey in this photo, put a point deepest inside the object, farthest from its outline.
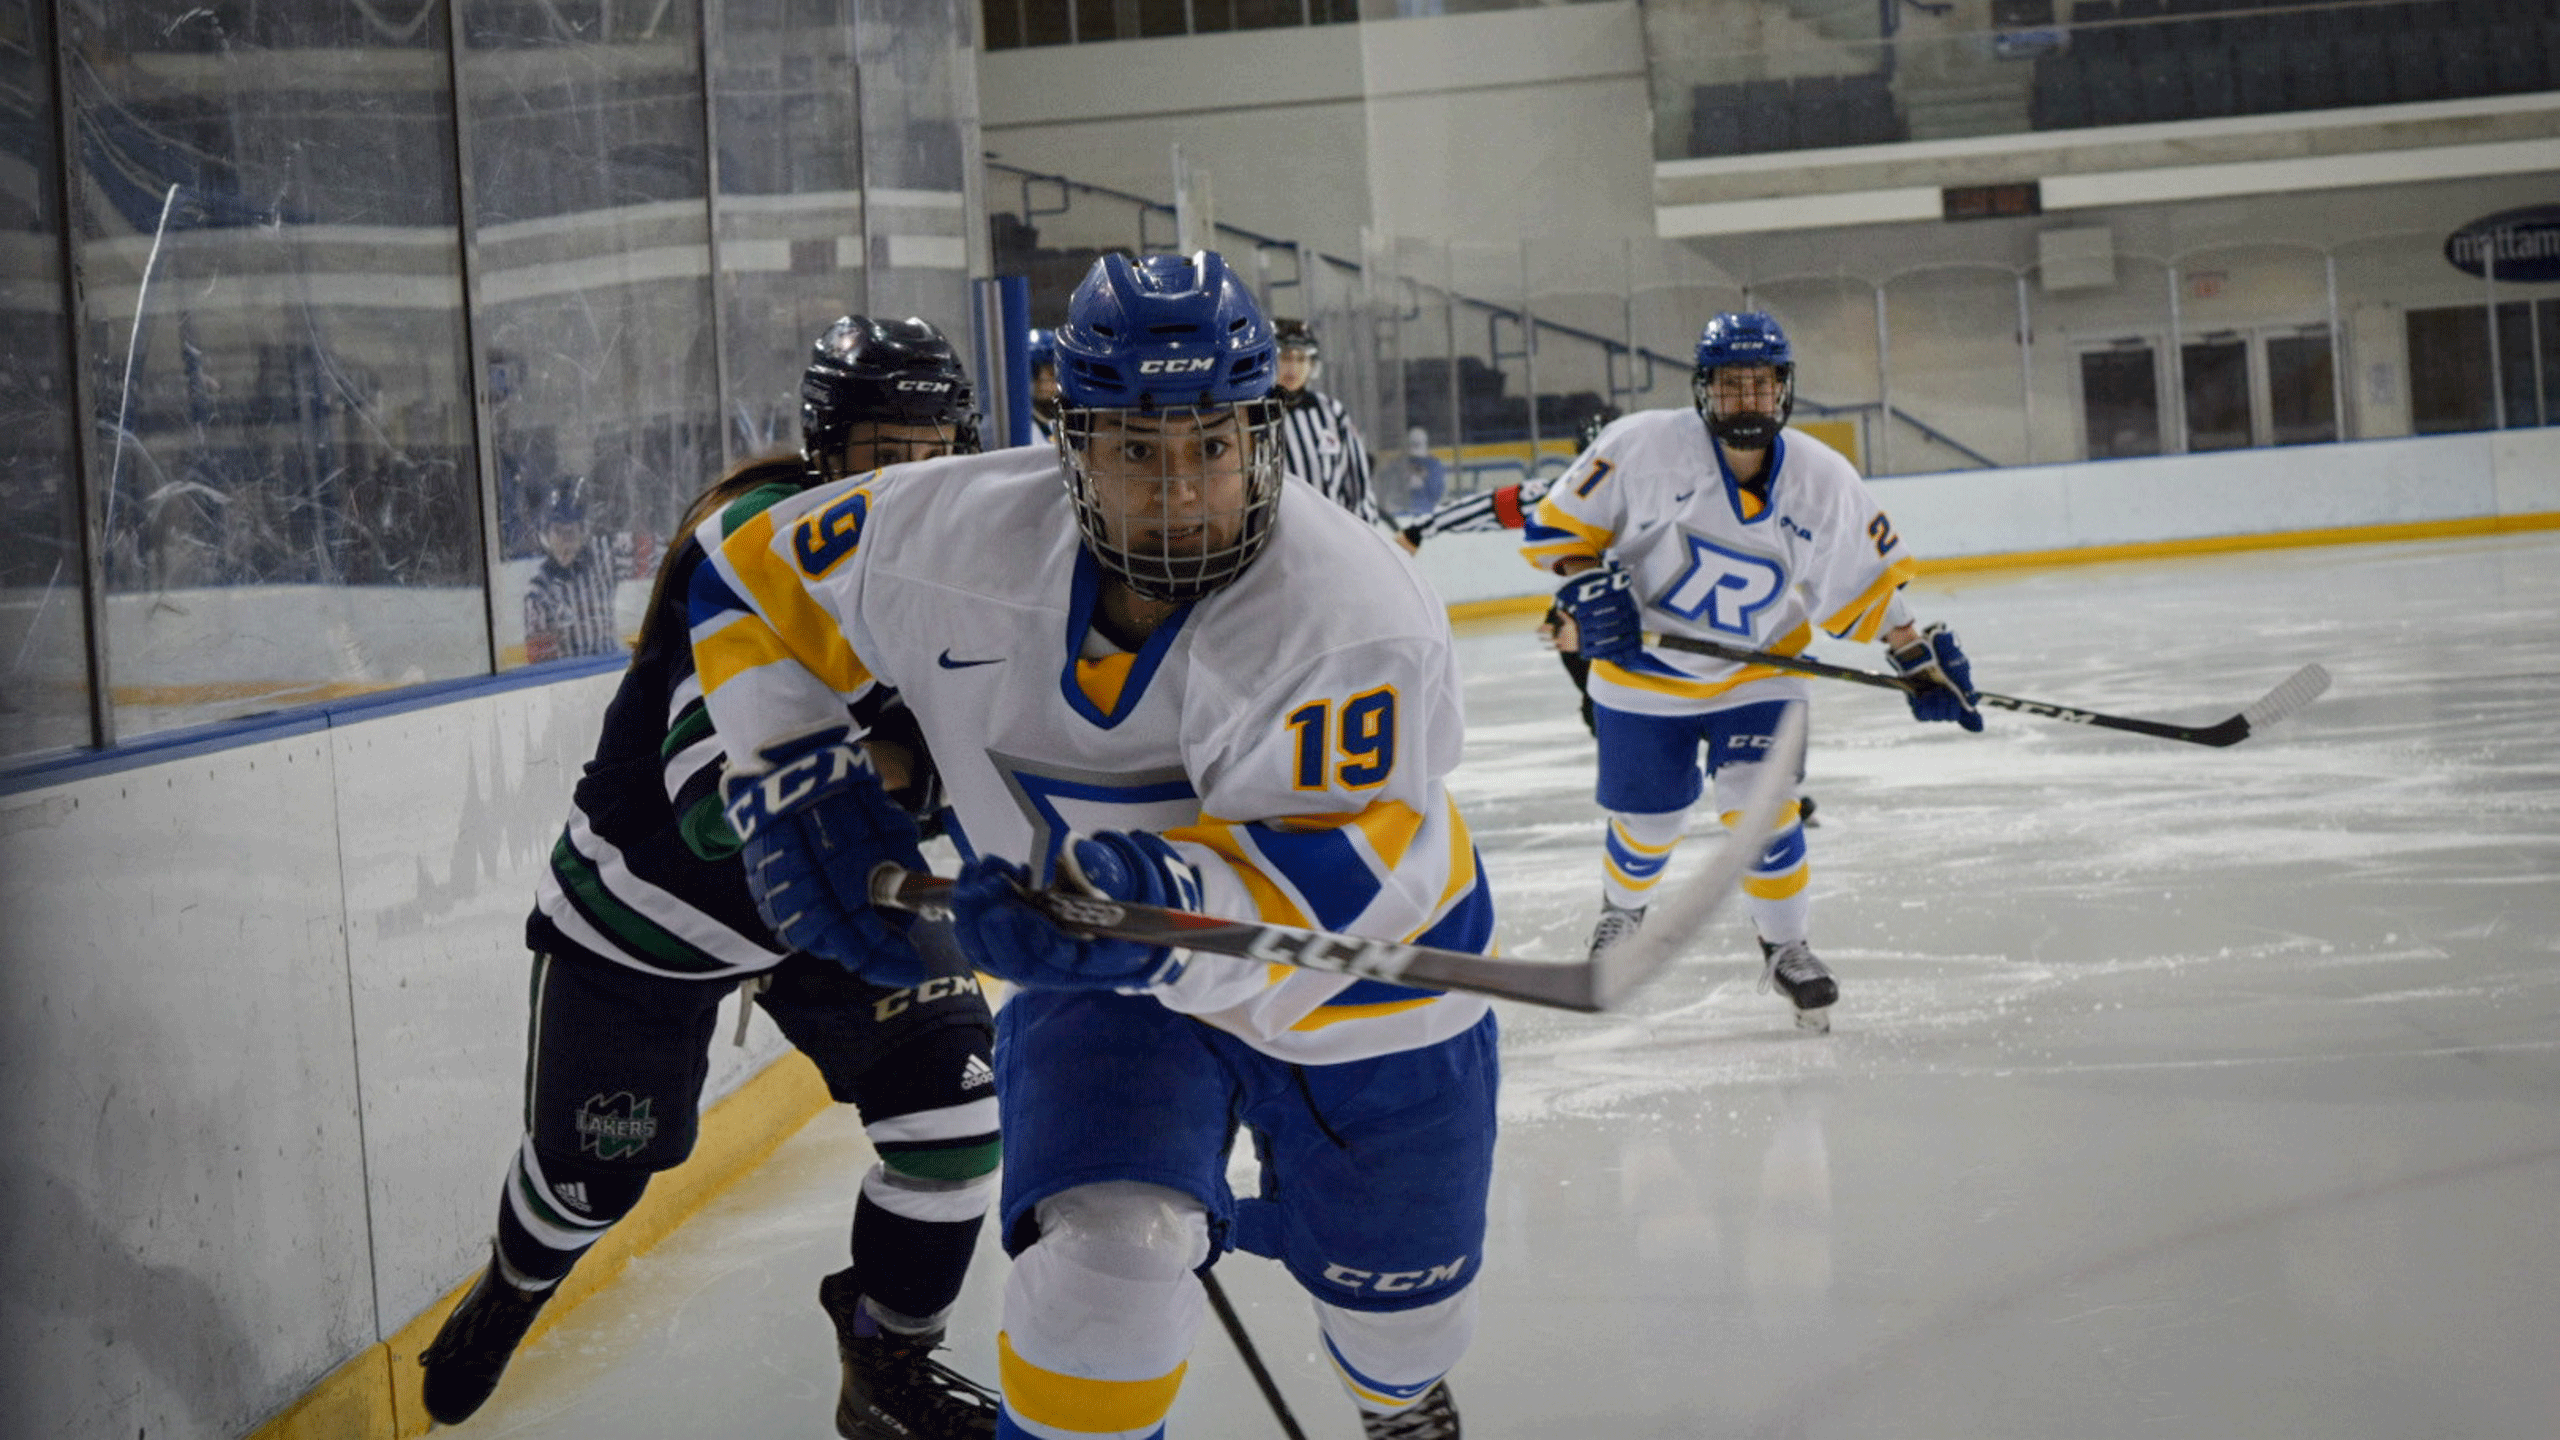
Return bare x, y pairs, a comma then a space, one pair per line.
1741, 530
1150, 669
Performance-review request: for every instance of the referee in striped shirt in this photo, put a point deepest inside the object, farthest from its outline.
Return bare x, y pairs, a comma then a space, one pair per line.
1319, 442
568, 606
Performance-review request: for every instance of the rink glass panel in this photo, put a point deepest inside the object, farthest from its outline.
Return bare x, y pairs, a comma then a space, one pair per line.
271, 327
786, 123
44, 690
919, 98
592, 231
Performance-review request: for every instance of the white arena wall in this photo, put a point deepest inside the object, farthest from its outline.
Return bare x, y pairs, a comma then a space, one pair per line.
2167, 501
262, 1041
263, 1046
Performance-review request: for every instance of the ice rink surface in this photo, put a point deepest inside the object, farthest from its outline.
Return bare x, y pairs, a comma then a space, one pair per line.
2173, 1091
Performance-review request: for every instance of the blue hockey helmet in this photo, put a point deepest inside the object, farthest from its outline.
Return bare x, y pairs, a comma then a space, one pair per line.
1043, 349
1747, 338
1170, 443
883, 372
1163, 330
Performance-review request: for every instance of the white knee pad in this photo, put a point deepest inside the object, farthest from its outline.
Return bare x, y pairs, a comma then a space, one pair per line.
1107, 1292
1127, 1229
1388, 1359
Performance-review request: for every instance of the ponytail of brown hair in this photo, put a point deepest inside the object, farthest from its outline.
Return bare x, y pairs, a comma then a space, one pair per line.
779, 469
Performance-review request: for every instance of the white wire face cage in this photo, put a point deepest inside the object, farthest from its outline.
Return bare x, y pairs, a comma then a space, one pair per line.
1176, 501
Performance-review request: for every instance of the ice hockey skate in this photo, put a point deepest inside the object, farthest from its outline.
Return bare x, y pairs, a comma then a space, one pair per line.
1617, 925
893, 1387
1435, 1418
1804, 980
477, 1340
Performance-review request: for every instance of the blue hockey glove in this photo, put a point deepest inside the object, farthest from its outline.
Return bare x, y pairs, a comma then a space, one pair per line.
1946, 691
1603, 605
813, 825
1003, 935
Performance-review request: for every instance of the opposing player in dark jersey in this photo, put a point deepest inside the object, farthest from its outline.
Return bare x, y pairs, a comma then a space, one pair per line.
644, 923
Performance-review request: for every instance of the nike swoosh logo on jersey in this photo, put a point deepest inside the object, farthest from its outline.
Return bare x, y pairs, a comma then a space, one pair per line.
948, 663
1683, 495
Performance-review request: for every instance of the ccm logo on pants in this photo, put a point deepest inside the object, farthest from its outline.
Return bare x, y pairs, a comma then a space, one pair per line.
1395, 1282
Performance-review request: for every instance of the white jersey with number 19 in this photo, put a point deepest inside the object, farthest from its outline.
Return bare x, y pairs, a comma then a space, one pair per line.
1289, 734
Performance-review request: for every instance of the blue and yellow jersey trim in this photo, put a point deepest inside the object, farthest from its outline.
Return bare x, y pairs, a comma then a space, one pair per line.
1863, 618
1332, 871
751, 607
1552, 534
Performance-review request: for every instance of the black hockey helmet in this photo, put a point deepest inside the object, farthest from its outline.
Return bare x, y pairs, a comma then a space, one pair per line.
891, 372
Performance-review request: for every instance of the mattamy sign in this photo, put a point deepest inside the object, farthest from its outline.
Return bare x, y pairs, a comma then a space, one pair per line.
2520, 245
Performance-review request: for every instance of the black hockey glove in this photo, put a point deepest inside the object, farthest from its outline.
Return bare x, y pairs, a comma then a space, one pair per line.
814, 824
1603, 605
1946, 690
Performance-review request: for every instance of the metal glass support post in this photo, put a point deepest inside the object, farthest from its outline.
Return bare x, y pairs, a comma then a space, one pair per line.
67, 163
1884, 390
1529, 352
2497, 360
709, 40
475, 369
2027, 368
2174, 365
2337, 349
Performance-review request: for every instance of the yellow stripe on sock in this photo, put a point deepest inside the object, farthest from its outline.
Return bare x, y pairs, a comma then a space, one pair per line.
1776, 887
1071, 1402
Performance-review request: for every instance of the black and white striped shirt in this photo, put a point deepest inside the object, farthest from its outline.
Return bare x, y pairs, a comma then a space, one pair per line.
1320, 445
568, 609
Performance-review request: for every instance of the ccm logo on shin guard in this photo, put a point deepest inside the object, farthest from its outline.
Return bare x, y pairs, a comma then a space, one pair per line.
1395, 1282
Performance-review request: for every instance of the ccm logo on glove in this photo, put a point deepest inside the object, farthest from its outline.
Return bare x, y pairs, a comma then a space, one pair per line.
786, 786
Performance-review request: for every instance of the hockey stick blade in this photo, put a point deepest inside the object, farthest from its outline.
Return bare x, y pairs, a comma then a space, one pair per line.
1584, 986
2298, 690
1676, 921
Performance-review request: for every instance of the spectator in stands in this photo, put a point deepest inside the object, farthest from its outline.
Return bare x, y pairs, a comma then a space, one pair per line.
1426, 475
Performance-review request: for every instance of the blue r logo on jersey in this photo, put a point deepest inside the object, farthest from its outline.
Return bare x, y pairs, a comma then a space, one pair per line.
1724, 588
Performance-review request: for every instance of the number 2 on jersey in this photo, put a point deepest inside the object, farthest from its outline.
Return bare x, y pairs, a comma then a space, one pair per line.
1358, 753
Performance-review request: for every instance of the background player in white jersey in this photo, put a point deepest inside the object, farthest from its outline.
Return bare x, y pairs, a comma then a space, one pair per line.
1151, 669
644, 924
1320, 443
1741, 530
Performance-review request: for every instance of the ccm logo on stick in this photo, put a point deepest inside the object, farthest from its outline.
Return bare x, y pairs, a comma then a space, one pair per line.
1177, 367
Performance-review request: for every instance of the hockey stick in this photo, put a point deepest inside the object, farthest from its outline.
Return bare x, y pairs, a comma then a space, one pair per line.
1234, 1325
1587, 986
2299, 689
